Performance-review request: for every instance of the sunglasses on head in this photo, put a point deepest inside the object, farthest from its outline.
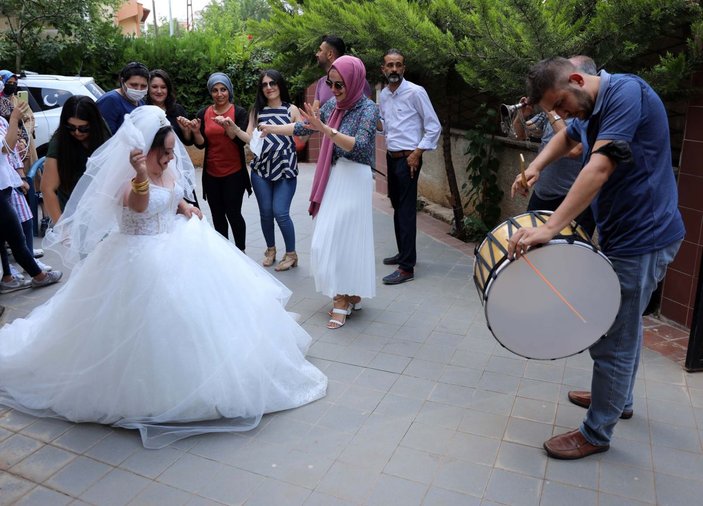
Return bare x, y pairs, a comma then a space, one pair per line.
84, 129
269, 84
339, 85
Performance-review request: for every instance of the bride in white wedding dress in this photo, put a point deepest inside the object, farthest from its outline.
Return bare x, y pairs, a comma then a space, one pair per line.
164, 326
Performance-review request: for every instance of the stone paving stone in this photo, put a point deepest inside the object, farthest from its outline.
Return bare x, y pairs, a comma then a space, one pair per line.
43, 463
437, 496
349, 482
676, 490
46, 429
557, 494
512, 488
539, 390
15, 448
483, 424
527, 432
319, 499
116, 488
77, 476
521, 459
12, 488
4, 434
535, 410
579, 473
41, 496
272, 492
150, 463
462, 476
81, 437
116, 447
415, 465
394, 490
15, 421
442, 415
633, 482
158, 494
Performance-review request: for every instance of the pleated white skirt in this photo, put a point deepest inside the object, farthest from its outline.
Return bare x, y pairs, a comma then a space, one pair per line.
342, 252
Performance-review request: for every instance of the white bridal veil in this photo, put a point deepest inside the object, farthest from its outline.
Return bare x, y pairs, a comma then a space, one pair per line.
95, 205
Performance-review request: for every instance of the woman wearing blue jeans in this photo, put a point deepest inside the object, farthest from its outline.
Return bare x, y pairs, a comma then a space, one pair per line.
274, 172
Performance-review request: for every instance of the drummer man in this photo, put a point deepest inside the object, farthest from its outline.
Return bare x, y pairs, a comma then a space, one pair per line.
628, 180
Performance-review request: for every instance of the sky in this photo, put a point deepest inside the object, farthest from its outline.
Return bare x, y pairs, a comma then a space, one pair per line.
178, 8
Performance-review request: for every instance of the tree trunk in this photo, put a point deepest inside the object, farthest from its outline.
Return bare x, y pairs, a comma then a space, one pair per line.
455, 195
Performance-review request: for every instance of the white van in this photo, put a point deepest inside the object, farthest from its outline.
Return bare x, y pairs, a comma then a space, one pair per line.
47, 94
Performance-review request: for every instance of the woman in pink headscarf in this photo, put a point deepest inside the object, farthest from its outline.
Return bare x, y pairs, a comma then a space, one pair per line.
342, 252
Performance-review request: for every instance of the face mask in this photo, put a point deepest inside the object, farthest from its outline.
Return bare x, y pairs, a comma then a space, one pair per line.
134, 95
10, 89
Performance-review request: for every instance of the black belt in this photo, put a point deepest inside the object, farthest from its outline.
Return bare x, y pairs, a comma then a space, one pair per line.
400, 154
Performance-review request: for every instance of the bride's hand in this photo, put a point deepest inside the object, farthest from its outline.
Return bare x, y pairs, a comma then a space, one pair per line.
311, 116
138, 161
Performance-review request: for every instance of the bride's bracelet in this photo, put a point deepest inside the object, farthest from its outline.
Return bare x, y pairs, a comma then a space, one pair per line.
141, 187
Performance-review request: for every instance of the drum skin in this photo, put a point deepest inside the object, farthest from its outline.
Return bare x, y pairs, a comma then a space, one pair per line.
559, 311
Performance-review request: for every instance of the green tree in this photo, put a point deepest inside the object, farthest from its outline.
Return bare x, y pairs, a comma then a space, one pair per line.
369, 28
29, 20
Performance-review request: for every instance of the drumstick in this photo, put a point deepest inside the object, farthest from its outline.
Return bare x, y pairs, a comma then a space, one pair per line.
522, 171
554, 289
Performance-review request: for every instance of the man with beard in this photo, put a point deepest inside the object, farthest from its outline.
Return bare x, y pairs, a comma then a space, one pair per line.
331, 48
556, 179
629, 182
411, 127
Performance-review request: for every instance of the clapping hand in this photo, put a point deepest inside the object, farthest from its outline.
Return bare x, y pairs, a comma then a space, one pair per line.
192, 125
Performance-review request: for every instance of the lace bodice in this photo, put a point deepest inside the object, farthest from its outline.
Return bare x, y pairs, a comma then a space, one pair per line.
159, 214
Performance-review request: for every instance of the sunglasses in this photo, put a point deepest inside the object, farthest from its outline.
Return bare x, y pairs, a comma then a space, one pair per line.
338, 85
269, 84
84, 129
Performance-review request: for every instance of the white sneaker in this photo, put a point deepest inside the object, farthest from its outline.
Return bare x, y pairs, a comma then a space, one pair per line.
38, 252
15, 272
43, 266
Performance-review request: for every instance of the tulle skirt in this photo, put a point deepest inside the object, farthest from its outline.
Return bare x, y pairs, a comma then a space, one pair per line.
173, 334
342, 249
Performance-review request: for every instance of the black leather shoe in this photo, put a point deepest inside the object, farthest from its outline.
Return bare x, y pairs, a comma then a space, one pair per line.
398, 277
391, 260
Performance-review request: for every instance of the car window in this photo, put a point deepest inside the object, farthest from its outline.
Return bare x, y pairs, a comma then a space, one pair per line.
49, 98
96, 90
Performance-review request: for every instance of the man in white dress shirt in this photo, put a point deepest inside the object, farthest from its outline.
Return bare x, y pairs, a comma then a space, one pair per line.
411, 127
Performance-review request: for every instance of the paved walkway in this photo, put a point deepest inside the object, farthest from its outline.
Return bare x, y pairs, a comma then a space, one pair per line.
424, 407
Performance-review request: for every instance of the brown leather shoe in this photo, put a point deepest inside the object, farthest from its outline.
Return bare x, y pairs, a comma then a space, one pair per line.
583, 398
572, 445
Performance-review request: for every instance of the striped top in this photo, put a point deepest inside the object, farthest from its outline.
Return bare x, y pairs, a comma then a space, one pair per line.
278, 157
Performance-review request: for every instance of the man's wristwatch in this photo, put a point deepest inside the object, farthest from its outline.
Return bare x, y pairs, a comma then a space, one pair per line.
554, 119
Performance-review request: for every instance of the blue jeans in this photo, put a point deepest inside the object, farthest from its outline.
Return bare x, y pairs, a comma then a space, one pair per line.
617, 355
274, 198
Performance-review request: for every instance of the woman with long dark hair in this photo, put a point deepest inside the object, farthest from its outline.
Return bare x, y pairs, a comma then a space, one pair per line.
81, 131
274, 171
161, 94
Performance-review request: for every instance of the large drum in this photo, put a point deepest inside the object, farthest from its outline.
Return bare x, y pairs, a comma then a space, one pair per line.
556, 301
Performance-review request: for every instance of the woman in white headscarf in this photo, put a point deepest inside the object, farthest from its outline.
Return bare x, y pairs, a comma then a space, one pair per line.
130, 340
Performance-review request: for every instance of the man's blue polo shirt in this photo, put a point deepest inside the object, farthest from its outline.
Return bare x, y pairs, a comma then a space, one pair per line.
637, 208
